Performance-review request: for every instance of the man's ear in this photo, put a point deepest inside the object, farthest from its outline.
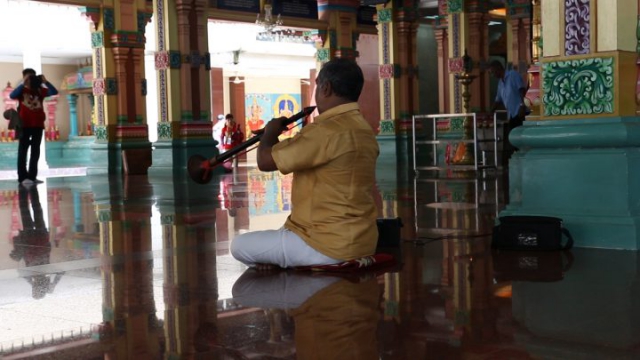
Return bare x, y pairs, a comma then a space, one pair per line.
326, 90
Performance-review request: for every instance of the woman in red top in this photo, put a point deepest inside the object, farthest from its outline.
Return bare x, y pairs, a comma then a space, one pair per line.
232, 136
31, 96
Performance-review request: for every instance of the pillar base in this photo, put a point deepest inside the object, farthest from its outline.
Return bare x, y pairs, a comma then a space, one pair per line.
106, 158
583, 171
9, 155
74, 152
388, 159
171, 157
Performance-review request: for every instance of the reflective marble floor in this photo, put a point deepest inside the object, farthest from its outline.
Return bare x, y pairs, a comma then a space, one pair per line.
139, 268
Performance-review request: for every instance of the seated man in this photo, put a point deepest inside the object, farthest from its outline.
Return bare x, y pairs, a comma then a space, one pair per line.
333, 160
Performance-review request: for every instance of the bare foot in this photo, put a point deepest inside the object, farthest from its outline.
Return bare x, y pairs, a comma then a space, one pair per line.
266, 267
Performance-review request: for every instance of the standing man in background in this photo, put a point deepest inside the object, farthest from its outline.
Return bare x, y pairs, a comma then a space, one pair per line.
30, 95
511, 92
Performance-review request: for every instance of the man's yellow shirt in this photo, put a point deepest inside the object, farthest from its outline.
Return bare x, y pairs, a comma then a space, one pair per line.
333, 162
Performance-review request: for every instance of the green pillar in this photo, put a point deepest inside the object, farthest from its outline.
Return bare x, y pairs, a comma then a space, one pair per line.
581, 162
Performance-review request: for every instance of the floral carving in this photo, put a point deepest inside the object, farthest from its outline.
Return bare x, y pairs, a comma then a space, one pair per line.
577, 27
98, 87
101, 133
97, 39
111, 86
578, 87
386, 71
322, 55
175, 59
456, 65
164, 131
143, 19
387, 127
162, 60
454, 6
109, 19
384, 16
457, 124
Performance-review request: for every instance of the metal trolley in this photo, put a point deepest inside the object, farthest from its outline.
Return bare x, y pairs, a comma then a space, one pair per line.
434, 141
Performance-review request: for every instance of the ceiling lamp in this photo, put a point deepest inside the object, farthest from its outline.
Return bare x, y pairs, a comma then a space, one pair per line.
268, 23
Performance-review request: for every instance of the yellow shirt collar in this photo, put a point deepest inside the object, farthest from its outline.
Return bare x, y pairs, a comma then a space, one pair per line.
337, 110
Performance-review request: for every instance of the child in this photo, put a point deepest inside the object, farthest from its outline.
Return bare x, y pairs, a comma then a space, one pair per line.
232, 136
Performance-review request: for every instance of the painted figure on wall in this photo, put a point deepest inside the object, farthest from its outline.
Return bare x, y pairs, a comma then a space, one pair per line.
261, 108
285, 106
254, 120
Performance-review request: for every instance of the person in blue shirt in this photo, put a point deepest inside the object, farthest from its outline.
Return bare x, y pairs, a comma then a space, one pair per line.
510, 94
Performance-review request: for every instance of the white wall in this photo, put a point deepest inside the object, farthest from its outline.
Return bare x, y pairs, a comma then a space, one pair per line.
265, 85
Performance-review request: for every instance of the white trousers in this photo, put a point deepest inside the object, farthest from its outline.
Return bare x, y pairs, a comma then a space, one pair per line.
279, 289
277, 247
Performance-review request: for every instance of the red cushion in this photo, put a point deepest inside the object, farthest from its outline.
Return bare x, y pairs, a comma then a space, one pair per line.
364, 263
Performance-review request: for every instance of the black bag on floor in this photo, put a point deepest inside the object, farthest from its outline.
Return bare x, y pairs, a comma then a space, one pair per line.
389, 232
534, 266
530, 233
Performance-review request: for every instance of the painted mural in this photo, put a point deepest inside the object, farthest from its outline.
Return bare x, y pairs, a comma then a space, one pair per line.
260, 108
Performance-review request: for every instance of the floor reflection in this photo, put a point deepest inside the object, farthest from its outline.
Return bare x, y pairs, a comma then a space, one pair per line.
139, 268
313, 316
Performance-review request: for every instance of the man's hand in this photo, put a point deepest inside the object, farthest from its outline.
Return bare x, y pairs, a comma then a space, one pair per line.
275, 127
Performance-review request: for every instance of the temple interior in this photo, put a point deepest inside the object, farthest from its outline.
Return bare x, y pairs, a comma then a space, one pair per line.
121, 253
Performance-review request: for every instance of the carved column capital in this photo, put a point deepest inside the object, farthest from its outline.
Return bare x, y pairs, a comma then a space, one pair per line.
405, 27
440, 35
183, 5
92, 14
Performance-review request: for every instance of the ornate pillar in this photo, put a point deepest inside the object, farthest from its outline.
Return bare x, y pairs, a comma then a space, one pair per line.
442, 41
183, 64
467, 32
92, 120
589, 141
532, 99
397, 28
453, 10
118, 43
73, 114
339, 39
519, 21
476, 43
